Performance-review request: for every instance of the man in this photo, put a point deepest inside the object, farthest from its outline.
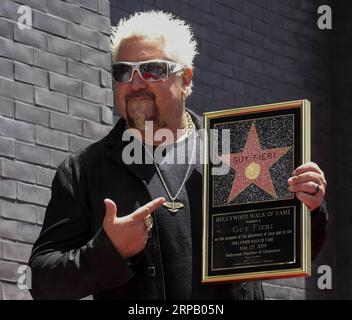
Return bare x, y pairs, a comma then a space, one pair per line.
121, 230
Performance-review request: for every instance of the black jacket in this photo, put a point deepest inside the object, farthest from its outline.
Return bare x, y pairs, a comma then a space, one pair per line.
73, 257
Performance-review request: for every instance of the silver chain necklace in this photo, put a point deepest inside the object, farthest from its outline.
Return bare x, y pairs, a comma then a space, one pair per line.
174, 205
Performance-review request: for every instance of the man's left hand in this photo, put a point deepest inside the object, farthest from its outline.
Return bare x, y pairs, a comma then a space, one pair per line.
309, 184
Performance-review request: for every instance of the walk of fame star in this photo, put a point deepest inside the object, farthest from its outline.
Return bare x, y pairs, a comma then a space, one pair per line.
252, 165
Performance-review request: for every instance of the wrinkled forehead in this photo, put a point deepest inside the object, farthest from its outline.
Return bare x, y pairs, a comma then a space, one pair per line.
138, 48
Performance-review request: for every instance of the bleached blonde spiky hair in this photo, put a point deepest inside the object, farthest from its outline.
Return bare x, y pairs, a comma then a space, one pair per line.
175, 35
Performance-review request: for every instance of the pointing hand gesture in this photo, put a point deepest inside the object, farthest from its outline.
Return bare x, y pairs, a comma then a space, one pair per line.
129, 234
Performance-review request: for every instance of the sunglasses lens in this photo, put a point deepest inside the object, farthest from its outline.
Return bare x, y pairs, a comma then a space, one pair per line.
153, 71
122, 72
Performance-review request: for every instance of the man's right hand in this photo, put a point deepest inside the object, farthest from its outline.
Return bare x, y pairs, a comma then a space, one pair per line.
128, 234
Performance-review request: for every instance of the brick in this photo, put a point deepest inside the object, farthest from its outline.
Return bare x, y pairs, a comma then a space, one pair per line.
51, 138
273, 45
37, 4
109, 98
231, 28
82, 34
210, 21
17, 251
8, 230
253, 10
202, 32
6, 28
234, 85
89, 4
253, 64
84, 72
253, 91
263, 55
45, 176
104, 43
18, 171
12, 292
283, 36
95, 21
242, 47
93, 93
16, 90
242, 19
8, 270
261, 26
33, 194
209, 78
65, 123
16, 51
32, 153
285, 63
225, 97
65, 84
134, 5
31, 75
16, 129
56, 157
50, 61
31, 37
65, 10
222, 68
8, 9
7, 189
220, 11
253, 37
7, 146
104, 7
50, 99
6, 68
77, 143
84, 109
65, 48
94, 130
222, 39
106, 115
32, 114
96, 57
105, 79
49, 24
211, 50
40, 215
262, 82
7, 107
294, 79
27, 232
205, 89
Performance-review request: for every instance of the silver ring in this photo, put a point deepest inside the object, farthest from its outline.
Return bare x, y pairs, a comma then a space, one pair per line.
148, 222
317, 189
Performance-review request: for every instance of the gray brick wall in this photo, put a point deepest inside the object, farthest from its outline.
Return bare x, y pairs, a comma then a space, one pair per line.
55, 97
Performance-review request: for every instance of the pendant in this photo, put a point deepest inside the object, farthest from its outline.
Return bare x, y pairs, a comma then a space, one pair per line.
173, 206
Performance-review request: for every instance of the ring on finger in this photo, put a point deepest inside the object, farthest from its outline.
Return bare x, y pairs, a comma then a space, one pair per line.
148, 222
317, 189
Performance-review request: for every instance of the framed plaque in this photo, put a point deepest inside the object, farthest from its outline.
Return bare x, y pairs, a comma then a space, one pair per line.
253, 226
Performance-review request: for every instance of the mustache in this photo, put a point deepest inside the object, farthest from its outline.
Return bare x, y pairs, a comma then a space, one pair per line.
140, 94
